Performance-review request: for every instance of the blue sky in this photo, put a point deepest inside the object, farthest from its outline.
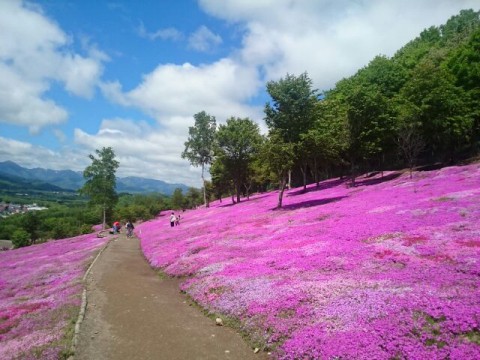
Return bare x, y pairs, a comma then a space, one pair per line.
76, 76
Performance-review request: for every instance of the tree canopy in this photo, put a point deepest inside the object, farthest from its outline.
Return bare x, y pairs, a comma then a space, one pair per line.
100, 185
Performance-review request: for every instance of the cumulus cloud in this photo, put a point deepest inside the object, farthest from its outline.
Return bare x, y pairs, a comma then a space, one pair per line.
33, 156
171, 92
204, 40
169, 33
328, 39
34, 52
142, 150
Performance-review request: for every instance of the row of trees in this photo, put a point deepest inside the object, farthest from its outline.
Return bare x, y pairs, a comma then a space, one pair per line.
419, 106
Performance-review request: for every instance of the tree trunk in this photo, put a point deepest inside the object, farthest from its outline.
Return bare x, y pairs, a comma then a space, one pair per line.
104, 225
280, 194
304, 173
204, 187
315, 172
289, 185
237, 191
247, 189
353, 174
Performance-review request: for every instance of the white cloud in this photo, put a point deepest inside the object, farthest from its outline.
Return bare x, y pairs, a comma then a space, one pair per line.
142, 150
328, 39
170, 92
169, 33
33, 156
204, 40
34, 52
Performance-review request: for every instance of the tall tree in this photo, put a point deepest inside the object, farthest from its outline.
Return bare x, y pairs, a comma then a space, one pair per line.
100, 185
292, 111
200, 144
279, 156
238, 141
439, 106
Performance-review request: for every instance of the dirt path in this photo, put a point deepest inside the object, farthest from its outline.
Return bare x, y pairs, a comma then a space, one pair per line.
134, 314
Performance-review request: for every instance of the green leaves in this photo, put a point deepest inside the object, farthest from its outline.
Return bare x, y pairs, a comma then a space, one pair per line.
200, 144
101, 181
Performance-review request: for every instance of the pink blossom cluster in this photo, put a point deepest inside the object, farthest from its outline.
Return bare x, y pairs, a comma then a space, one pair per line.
388, 269
40, 296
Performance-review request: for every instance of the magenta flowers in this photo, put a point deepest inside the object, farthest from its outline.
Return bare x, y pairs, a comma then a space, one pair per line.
40, 296
386, 270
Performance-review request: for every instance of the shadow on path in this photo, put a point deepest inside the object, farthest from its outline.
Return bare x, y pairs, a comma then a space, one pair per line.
132, 313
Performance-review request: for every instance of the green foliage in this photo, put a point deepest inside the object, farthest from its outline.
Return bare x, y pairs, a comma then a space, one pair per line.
279, 156
293, 104
193, 198
178, 200
20, 238
101, 181
200, 144
31, 224
238, 143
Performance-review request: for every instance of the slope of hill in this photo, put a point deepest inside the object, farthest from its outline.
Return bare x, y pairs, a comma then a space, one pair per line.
72, 180
387, 269
37, 308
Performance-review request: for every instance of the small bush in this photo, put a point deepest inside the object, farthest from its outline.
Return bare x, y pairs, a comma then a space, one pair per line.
20, 238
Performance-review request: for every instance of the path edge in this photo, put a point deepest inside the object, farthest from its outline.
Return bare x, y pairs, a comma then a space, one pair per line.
83, 306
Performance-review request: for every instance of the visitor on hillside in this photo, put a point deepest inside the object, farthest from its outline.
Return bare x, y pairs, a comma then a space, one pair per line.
177, 220
130, 228
116, 227
172, 219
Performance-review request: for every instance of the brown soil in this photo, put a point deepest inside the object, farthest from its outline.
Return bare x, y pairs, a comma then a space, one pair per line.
133, 313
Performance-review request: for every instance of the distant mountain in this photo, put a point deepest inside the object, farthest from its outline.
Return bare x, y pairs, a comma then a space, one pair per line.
133, 184
73, 180
15, 183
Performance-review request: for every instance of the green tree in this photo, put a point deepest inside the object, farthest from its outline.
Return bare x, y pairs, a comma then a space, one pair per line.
178, 200
200, 144
20, 238
101, 181
279, 156
292, 112
221, 183
193, 198
439, 106
31, 224
238, 141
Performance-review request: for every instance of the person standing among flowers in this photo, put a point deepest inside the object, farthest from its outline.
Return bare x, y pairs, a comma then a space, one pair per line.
173, 219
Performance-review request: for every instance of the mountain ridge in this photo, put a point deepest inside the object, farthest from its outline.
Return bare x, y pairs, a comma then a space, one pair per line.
73, 180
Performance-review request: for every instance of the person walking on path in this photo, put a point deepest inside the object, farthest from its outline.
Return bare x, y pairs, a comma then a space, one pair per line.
173, 219
130, 228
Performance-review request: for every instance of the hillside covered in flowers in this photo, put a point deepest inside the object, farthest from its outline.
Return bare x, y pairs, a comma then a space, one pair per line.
388, 269
40, 296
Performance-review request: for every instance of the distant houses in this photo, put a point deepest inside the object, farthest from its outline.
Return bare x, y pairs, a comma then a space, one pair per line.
7, 209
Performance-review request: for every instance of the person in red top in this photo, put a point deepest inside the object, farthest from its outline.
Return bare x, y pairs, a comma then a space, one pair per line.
116, 227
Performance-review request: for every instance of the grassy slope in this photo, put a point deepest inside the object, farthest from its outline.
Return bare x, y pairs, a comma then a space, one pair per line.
383, 270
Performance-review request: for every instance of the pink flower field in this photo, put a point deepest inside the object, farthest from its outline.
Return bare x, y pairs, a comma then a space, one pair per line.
40, 296
389, 269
